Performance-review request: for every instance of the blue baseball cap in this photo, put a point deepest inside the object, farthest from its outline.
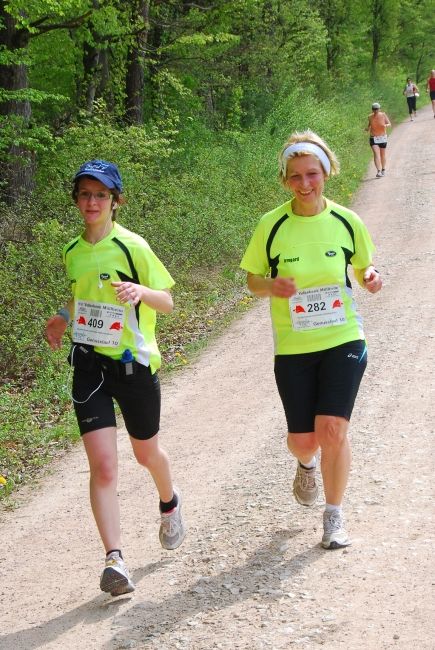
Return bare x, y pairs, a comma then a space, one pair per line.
105, 172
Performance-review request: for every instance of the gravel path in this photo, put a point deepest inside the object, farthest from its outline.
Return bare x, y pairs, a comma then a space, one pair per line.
251, 573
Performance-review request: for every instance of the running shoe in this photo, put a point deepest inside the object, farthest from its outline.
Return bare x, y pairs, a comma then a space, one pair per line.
379, 174
335, 535
305, 488
172, 528
383, 172
412, 119
115, 578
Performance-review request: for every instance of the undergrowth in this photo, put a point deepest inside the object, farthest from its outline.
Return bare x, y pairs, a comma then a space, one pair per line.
196, 197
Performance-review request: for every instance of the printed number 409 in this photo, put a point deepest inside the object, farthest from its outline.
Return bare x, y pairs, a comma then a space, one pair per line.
93, 322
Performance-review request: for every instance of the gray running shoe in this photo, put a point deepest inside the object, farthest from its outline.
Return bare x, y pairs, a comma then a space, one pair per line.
172, 529
379, 174
383, 172
335, 535
115, 578
305, 488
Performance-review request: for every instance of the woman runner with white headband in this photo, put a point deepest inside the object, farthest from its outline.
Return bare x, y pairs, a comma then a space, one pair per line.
298, 257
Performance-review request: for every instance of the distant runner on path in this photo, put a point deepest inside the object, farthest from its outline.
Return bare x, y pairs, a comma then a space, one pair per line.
412, 92
298, 257
430, 88
118, 284
377, 126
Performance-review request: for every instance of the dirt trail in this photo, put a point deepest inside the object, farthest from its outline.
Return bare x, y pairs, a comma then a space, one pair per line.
251, 573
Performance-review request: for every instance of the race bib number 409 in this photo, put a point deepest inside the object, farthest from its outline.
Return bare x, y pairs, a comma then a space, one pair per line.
98, 323
317, 307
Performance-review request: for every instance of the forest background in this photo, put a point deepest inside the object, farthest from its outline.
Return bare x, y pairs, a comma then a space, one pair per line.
193, 101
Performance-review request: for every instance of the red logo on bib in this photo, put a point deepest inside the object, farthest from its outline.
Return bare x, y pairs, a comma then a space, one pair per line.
115, 326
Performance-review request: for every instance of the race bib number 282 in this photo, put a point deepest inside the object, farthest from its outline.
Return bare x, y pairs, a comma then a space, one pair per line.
317, 307
98, 323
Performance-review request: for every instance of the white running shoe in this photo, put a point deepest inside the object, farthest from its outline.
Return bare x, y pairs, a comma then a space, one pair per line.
115, 578
379, 174
305, 488
382, 172
335, 535
172, 528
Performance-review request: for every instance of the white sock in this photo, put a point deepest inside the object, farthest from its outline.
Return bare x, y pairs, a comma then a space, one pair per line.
311, 464
330, 508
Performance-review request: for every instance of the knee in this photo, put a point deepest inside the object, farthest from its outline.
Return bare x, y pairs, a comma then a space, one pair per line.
302, 444
104, 473
332, 431
146, 457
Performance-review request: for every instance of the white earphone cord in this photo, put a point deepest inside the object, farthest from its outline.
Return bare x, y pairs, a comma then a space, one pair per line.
66, 389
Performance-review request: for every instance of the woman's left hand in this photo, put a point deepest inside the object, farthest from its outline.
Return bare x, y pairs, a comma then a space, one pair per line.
372, 280
127, 292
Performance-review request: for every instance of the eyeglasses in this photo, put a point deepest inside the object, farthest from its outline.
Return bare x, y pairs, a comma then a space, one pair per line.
98, 196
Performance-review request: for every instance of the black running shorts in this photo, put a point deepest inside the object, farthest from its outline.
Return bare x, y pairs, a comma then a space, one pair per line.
381, 145
320, 383
138, 399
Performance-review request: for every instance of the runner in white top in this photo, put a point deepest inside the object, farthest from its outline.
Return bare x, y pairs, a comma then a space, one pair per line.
412, 92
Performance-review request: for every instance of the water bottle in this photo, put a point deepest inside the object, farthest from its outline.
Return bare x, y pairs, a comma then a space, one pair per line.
127, 358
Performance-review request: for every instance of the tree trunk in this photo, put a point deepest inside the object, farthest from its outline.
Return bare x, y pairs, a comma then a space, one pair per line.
17, 165
135, 66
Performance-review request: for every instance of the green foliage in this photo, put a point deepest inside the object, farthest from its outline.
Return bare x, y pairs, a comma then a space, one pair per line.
223, 90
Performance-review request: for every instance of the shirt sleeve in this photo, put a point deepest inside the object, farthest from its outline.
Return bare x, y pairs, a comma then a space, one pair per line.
364, 247
152, 273
255, 258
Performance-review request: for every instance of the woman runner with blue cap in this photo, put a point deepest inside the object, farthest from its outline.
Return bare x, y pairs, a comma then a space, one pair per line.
118, 285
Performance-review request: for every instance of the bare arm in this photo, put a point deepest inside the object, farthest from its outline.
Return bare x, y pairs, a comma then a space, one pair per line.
265, 287
387, 121
369, 278
158, 299
56, 326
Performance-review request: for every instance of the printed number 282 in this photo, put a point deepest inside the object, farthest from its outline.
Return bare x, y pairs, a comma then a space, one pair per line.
316, 306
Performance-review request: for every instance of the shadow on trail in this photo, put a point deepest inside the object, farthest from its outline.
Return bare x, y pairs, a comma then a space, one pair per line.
94, 611
147, 619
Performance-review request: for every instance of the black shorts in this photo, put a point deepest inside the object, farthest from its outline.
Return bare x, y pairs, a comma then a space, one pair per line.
432, 95
138, 399
320, 383
381, 145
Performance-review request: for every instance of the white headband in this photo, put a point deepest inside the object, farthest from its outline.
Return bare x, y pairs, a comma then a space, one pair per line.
306, 146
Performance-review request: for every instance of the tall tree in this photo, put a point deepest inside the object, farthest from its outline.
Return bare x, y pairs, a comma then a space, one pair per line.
336, 17
134, 81
17, 26
382, 17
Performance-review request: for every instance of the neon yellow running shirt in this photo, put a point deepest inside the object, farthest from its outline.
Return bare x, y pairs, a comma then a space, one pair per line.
90, 266
315, 251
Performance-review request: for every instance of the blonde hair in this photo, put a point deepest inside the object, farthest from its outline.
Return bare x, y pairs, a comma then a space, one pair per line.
313, 138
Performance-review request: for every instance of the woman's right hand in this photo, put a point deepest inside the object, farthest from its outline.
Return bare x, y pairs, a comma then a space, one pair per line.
55, 328
283, 287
